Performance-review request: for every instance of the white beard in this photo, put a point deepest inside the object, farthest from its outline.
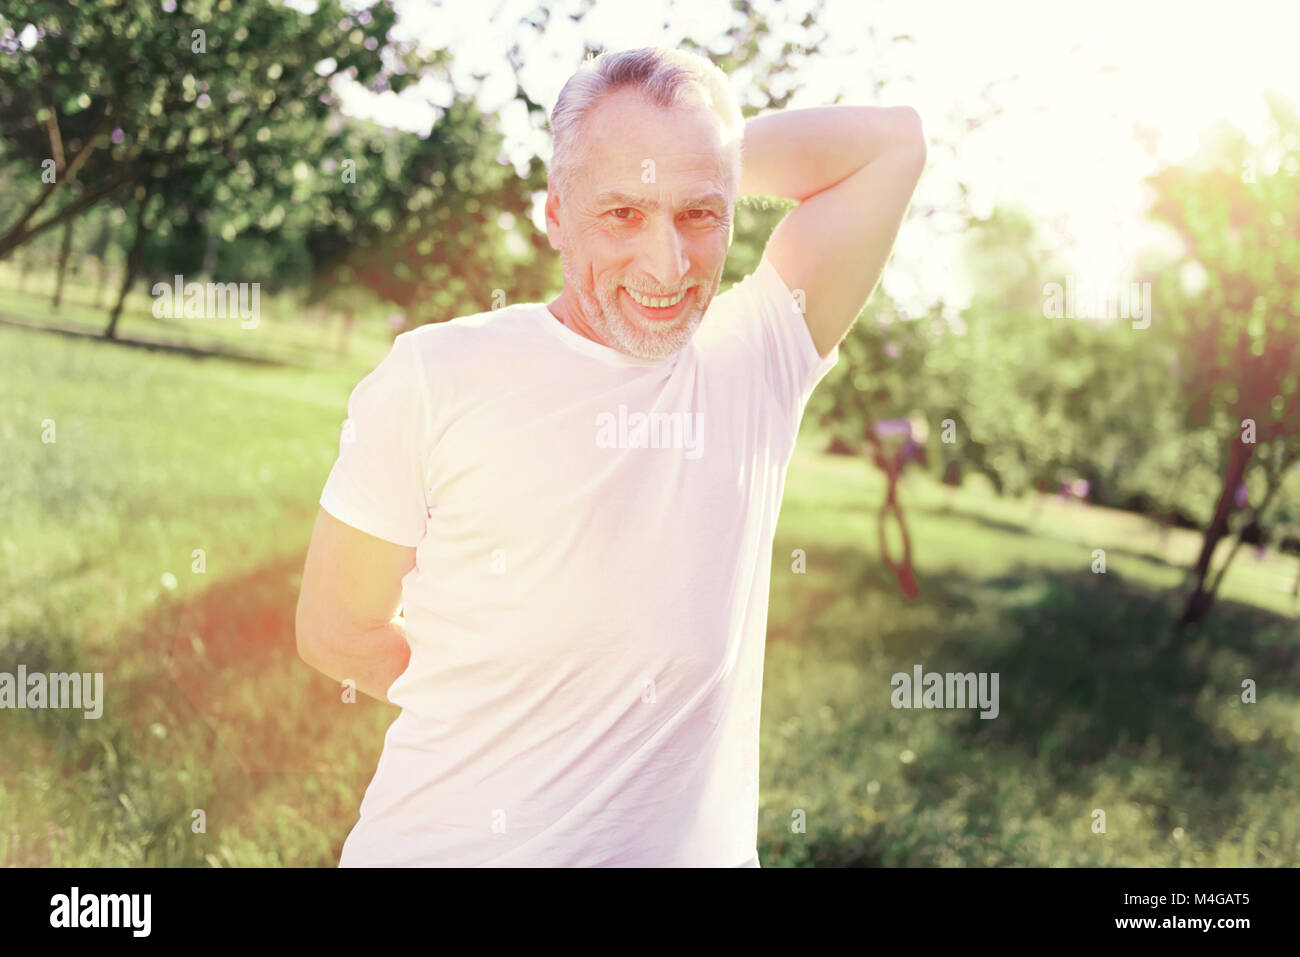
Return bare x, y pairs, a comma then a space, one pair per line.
604, 314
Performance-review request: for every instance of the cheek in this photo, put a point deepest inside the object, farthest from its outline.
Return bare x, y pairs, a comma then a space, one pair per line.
606, 265
592, 259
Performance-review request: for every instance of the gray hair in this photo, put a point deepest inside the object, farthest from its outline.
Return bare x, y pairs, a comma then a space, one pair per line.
665, 76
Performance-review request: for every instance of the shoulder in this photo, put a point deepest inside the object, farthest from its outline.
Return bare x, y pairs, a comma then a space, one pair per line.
470, 337
738, 312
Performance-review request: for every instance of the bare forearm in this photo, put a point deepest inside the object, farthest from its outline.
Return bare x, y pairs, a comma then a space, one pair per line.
795, 154
372, 660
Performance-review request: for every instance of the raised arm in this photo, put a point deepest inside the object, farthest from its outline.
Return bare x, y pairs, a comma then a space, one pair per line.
351, 591
852, 169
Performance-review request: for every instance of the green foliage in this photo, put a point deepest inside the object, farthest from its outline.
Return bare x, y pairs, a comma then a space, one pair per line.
1143, 415
205, 107
234, 138
1230, 307
437, 226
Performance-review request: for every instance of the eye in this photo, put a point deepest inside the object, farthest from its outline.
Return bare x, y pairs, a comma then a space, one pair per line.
690, 213
622, 209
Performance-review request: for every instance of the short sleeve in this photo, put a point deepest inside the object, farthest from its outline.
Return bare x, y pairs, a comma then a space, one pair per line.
377, 483
764, 312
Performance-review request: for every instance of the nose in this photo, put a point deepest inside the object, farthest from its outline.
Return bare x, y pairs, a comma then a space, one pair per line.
664, 255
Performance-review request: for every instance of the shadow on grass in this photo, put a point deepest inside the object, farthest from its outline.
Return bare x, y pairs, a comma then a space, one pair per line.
150, 345
1094, 666
1027, 531
230, 653
1091, 667
1096, 680
209, 681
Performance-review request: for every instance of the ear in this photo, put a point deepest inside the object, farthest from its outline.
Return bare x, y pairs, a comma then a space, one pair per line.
553, 215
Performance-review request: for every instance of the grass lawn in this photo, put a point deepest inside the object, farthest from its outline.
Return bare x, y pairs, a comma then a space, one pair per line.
159, 539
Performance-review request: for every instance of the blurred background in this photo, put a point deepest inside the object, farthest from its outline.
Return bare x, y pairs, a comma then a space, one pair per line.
1060, 444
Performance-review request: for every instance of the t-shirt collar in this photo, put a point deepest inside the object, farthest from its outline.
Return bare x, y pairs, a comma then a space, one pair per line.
580, 343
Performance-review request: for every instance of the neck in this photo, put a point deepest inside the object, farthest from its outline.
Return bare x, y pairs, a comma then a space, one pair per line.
571, 317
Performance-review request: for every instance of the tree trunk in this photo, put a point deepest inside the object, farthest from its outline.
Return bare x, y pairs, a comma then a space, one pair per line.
21, 232
64, 251
1202, 598
132, 265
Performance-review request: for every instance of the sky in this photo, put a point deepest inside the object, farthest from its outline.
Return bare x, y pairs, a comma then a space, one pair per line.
1074, 83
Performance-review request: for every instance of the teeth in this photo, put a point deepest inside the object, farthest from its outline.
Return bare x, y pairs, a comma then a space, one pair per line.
656, 303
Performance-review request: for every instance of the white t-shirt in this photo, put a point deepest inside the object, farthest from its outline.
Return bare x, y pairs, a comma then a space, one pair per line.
588, 609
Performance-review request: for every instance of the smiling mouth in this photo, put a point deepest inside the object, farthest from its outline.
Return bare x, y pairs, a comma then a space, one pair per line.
658, 308
656, 302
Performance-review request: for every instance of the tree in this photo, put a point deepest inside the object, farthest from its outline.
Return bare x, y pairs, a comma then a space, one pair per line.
141, 95
1237, 331
436, 226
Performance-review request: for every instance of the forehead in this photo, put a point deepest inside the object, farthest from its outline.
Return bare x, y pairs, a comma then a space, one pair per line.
630, 144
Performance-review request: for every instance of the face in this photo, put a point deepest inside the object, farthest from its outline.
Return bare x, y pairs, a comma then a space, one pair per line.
644, 229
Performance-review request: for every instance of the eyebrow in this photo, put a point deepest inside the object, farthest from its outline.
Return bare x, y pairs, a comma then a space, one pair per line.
616, 198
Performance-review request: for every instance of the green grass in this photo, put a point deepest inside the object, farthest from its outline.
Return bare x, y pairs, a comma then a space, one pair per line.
1104, 704
156, 456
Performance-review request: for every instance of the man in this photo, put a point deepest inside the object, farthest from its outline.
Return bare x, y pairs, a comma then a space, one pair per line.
572, 504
